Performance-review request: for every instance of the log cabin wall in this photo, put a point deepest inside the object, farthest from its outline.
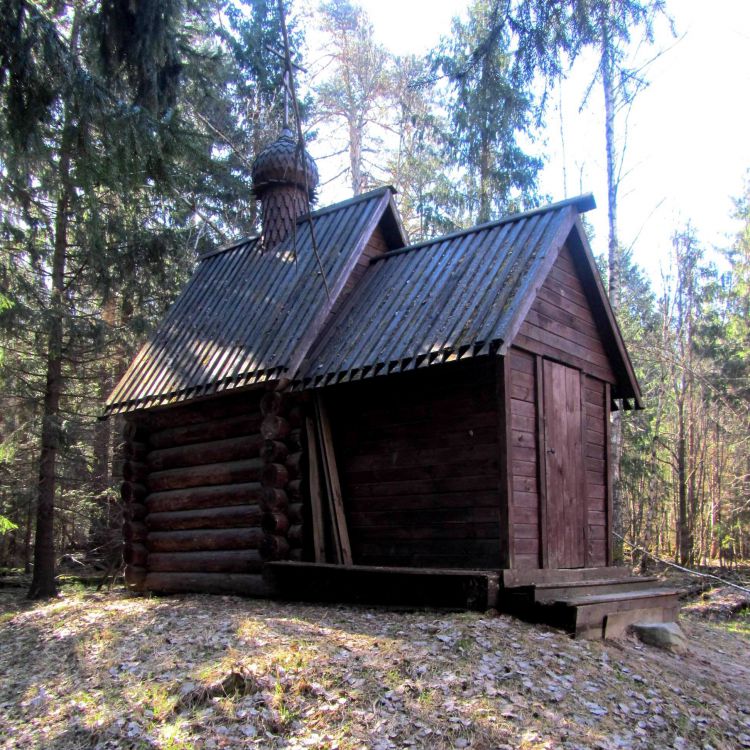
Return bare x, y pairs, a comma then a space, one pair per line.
418, 459
560, 327
206, 493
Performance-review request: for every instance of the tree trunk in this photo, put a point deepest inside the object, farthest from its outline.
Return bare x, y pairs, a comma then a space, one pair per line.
43, 580
355, 155
684, 542
613, 262
485, 202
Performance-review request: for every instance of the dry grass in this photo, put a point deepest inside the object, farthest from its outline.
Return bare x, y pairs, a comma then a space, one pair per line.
115, 671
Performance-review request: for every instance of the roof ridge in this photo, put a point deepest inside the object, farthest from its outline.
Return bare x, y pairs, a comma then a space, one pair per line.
582, 203
303, 217
349, 201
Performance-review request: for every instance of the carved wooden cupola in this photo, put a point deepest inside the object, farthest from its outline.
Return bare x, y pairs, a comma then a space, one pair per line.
284, 181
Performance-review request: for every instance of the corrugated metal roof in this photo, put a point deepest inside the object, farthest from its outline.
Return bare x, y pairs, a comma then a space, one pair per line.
246, 317
454, 297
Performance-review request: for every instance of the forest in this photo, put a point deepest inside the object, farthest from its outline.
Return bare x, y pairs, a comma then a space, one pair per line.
127, 134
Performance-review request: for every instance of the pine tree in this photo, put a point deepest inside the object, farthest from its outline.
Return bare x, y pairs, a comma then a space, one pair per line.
491, 111
125, 151
354, 96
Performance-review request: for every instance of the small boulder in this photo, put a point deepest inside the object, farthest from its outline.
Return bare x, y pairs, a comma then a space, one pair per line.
666, 635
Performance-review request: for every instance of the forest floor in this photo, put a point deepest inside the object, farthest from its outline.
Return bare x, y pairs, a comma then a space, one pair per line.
112, 670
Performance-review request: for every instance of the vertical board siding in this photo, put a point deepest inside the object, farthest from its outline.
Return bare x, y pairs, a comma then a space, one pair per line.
564, 466
417, 454
595, 452
526, 536
561, 325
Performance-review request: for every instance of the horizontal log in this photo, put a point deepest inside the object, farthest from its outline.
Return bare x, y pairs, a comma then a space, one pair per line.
296, 512
134, 531
383, 458
210, 583
205, 518
134, 451
274, 427
295, 535
135, 554
274, 547
134, 471
274, 523
272, 403
234, 426
294, 439
449, 485
204, 539
294, 489
230, 472
205, 497
293, 463
273, 500
274, 451
135, 577
134, 511
209, 410
198, 454
232, 561
274, 475
132, 492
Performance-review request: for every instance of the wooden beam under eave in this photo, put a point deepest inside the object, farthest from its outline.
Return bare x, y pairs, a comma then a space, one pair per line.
541, 453
504, 461
608, 462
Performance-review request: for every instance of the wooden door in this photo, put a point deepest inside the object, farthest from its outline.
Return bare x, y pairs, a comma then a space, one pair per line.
564, 464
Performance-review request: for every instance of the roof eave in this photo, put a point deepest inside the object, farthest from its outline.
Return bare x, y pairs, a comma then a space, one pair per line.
629, 389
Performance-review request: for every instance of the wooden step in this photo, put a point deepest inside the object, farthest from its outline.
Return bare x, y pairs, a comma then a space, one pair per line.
593, 607
513, 578
616, 596
547, 592
609, 617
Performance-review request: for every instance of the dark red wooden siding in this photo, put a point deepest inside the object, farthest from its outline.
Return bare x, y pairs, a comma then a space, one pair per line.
525, 514
375, 247
560, 323
596, 469
564, 466
417, 455
560, 326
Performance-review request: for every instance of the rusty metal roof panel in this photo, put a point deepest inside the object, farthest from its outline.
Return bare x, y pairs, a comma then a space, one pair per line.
449, 298
244, 314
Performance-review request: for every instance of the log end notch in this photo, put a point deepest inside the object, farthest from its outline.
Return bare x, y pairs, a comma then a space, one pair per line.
212, 492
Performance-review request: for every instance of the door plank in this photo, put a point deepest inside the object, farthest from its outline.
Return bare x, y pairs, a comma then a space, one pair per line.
565, 502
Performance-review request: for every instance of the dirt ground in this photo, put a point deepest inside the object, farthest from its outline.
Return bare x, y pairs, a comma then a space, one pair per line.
118, 671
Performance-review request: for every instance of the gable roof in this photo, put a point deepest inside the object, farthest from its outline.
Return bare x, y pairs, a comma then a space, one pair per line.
246, 317
459, 296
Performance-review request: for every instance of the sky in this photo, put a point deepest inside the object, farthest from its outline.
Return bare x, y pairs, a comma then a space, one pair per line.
688, 146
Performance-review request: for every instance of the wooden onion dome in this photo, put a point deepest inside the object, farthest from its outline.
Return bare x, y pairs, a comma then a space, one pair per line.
284, 184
